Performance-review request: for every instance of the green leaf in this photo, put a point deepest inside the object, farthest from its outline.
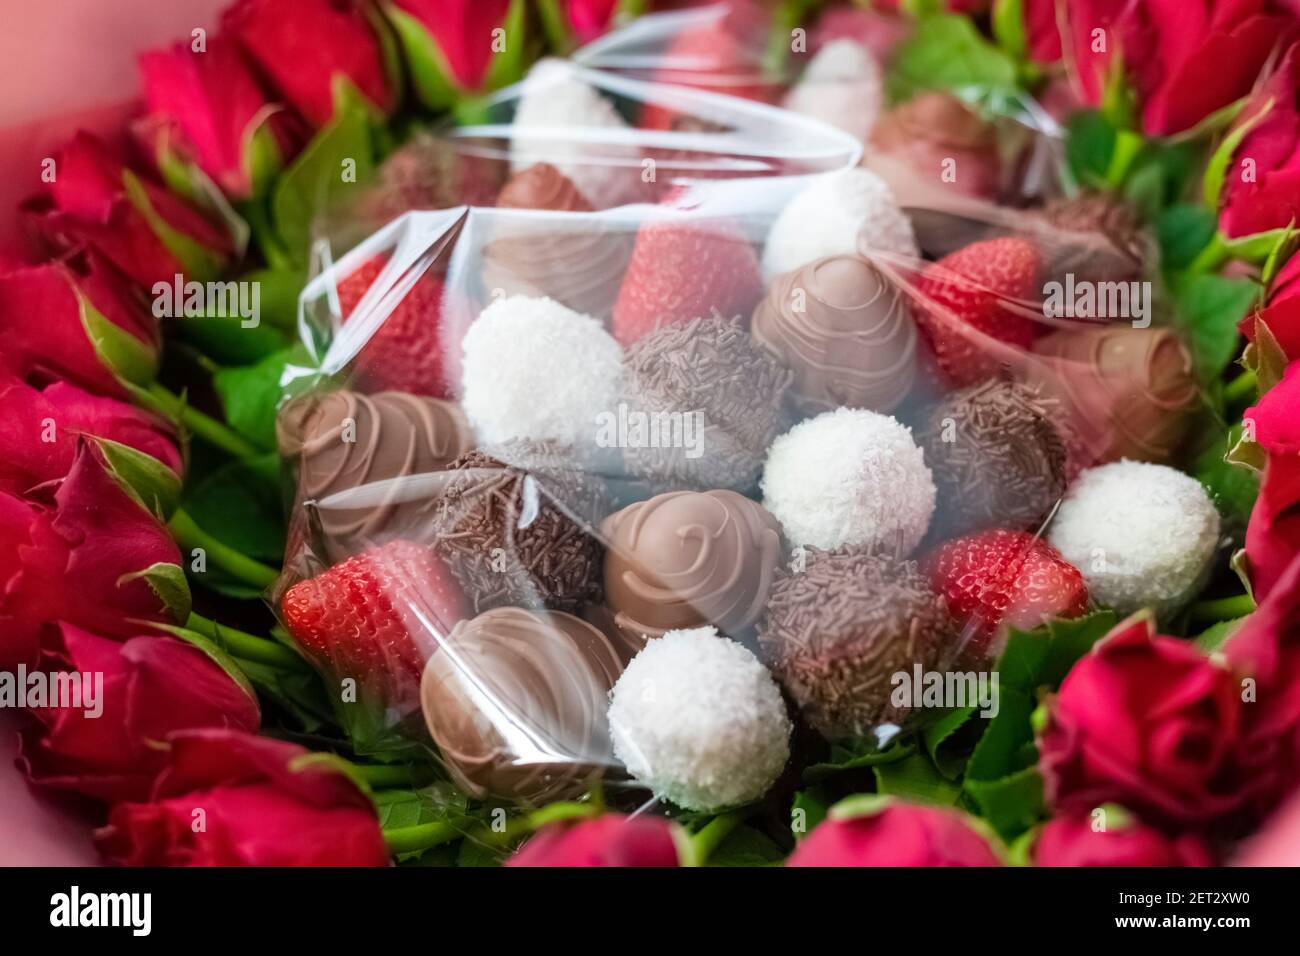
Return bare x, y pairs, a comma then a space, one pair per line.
300, 695
1213, 637
239, 504
129, 359
217, 655
431, 74
1009, 27
946, 51
315, 179
917, 779
1232, 487
167, 581
746, 846
1089, 144
1208, 309
1183, 230
508, 66
1011, 804
1216, 170
808, 809
940, 732
148, 480
854, 755
251, 394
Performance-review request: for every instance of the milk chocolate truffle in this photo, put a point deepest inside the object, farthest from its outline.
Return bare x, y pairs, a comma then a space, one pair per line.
703, 402
997, 456
845, 331
688, 558
1127, 392
577, 261
917, 141
836, 632
342, 440
516, 702
520, 535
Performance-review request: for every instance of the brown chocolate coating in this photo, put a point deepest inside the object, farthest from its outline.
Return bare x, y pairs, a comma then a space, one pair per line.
519, 536
706, 373
687, 558
1094, 237
997, 458
576, 261
516, 702
1126, 392
837, 631
342, 440
846, 332
911, 142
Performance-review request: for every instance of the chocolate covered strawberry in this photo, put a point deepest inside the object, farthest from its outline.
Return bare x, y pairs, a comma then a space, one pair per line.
405, 353
375, 617
685, 270
1002, 576
986, 290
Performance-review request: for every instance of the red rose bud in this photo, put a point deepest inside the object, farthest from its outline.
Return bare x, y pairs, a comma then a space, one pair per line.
609, 840
456, 47
311, 49
91, 331
1148, 722
227, 798
572, 23
882, 831
1266, 649
1042, 32
93, 556
1273, 534
1165, 49
1110, 836
40, 432
1280, 312
1261, 185
133, 695
206, 108
135, 223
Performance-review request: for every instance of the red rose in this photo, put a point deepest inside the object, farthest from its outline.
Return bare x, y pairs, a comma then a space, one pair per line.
307, 48
41, 427
1273, 534
1125, 841
1185, 59
1266, 649
1042, 34
1148, 722
227, 798
206, 108
135, 223
90, 332
152, 686
452, 45
93, 556
882, 831
1278, 843
1281, 311
609, 840
1261, 186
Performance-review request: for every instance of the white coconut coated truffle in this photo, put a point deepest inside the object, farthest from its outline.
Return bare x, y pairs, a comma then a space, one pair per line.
827, 216
697, 719
842, 87
554, 122
850, 477
536, 369
1143, 535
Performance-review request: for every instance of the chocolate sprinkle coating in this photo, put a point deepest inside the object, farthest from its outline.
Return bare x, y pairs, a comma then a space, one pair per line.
998, 458
836, 632
516, 536
710, 368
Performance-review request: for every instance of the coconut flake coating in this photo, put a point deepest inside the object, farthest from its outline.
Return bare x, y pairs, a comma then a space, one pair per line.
837, 631
697, 719
1143, 535
536, 370
853, 478
828, 217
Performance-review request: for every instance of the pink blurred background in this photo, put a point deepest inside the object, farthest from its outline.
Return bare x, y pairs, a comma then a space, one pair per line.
63, 65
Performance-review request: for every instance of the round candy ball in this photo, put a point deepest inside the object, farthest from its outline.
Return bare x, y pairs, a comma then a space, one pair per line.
698, 720
852, 478
829, 217
1143, 535
537, 370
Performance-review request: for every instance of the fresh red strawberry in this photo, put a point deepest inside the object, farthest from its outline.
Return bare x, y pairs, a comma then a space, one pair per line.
357, 619
988, 288
1004, 576
681, 271
405, 352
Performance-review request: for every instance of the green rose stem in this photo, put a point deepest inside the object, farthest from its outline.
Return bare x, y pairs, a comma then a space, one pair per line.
189, 536
205, 426
1223, 609
422, 836
243, 645
1243, 386
711, 835
387, 776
